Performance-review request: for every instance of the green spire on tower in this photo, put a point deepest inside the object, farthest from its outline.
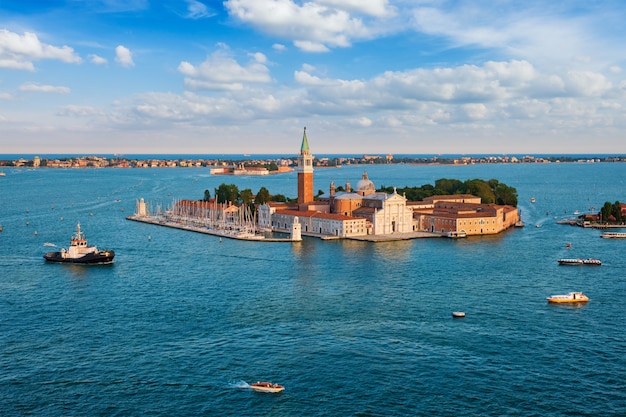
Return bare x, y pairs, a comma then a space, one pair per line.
305, 142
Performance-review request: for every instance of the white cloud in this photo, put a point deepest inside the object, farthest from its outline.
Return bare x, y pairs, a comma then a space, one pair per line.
221, 71
19, 51
5, 96
98, 60
313, 26
279, 47
197, 10
379, 8
123, 56
80, 111
38, 88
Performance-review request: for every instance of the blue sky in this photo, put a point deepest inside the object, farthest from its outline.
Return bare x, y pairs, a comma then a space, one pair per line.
375, 76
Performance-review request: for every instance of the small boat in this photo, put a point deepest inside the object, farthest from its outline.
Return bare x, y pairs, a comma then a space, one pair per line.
80, 253
613, 235
458, 314
266, 387
456, 234
572, 297
568, 245
532, 200
588, 261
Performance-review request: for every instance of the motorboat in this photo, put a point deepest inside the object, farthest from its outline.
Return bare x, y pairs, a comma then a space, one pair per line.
456, 234
572, 297
578, 261
266, 387
613, 235
80, 253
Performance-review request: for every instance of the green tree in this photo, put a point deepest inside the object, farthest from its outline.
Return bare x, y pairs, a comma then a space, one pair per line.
207, 195
227, 193
481, 189
279, 198
506, 195
616, 211
605, 212
246, 196
263, 196
448, 186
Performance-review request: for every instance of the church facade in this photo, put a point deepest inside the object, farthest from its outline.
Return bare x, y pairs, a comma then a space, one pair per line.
348, 213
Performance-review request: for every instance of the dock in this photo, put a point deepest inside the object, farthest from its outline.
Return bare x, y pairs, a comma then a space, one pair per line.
230, 234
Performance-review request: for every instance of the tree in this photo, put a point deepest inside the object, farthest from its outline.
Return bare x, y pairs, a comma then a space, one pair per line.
616, 211
481, 189
605, 212
262, 197
449, 186
207, 195
279, 198
506, 195
246, 196
227, 193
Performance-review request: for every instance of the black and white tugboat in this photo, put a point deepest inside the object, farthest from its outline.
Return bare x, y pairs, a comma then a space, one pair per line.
80, 253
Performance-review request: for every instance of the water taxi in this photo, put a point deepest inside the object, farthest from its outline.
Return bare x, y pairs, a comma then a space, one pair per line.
589, 261
266, 387
456, 234
572, 297
80, 253
613, 235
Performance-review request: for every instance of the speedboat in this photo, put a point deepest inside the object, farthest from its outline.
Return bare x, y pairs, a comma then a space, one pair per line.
266, 387
572, 297
80, 253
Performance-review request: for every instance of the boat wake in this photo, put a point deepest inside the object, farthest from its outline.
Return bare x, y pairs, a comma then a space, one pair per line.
238, 384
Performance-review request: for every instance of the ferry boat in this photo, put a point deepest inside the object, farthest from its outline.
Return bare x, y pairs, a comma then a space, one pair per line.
588, 261
456, 234
80, 253
613, 235
266, 387
572, 297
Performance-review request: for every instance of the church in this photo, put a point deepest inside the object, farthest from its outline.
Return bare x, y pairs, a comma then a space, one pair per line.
358, 212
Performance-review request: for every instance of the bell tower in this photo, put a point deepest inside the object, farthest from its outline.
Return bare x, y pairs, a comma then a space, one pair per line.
305, 172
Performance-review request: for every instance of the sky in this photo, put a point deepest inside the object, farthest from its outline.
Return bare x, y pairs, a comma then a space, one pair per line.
363, 76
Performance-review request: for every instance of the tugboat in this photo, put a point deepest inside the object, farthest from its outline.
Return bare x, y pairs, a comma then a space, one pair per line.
80, 253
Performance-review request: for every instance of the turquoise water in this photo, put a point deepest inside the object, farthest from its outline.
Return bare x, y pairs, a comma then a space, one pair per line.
182, 322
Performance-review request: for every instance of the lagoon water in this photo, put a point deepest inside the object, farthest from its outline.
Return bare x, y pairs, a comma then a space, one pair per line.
182, 322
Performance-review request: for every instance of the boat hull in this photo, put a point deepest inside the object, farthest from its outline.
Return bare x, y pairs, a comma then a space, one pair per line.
573, 297
97, 258
267, 387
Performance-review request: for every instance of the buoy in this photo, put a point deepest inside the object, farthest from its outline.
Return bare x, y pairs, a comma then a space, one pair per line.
458, 314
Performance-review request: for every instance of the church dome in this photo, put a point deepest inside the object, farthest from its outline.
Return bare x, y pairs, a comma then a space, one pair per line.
365, 184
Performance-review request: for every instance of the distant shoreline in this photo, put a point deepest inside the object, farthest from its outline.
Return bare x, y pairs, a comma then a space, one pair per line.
273, 162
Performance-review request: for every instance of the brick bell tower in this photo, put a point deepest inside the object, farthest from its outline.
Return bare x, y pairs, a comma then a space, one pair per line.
305, 172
